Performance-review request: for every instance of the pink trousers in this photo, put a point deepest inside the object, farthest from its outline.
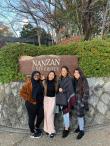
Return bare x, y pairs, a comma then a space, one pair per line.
49, 111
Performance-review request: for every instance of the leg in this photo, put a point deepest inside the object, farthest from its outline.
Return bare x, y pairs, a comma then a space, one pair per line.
81, 127
66, 125
66, 121
31, 109
45, 114
40, 115
50, 115
81, 123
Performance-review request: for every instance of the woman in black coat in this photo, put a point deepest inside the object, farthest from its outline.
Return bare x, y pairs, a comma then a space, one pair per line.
65, 89
82, 95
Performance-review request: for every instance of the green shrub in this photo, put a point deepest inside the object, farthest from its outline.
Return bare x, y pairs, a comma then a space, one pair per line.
94, 57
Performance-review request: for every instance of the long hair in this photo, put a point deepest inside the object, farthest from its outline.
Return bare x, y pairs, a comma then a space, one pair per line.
67, 69
47, 79
80, 80
54, 75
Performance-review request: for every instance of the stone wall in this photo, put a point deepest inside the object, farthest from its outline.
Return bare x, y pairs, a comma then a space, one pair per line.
13, 113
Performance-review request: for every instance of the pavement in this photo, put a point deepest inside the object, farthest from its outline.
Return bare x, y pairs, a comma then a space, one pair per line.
97, 136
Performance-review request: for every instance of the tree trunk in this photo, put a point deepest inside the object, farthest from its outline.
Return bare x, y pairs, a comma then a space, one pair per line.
104, 19
87, 26
39, 39
86, 19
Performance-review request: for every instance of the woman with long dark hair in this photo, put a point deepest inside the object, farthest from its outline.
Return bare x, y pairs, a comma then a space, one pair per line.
50, 86
82, 95
66, 93
33, 93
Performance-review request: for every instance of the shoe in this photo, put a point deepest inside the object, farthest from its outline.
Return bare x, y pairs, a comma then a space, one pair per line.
77, 130
65, 133
32, 135
38, 130
81, 134
52, 135
47, 133
37, 134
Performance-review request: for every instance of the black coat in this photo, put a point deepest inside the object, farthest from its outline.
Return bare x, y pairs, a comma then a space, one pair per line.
67, 85
82, 100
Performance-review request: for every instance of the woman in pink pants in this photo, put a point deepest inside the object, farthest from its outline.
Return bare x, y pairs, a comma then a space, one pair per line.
49, 103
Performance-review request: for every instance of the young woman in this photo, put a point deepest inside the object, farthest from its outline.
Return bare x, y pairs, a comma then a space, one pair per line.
33, 93
49, 103
65, 86
82, 94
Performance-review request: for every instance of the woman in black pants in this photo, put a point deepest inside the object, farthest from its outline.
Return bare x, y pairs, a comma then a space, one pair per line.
33, 94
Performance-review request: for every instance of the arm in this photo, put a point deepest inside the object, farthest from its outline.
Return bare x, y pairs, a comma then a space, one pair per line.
71, 87
24, 92
45, 87
59, 88
85, 94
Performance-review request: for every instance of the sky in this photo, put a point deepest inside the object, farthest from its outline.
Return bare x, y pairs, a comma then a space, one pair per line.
8, 18
12, 20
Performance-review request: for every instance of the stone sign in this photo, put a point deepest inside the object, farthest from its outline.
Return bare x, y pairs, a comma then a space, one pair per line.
45, 63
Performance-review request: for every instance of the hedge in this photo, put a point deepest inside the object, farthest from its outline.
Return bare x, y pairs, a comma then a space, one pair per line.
94, 57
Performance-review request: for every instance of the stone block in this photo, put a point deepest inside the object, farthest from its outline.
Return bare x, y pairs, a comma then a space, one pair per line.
105, 98
102, 107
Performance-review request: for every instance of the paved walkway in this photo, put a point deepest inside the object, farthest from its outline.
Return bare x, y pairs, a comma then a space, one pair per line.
93, 137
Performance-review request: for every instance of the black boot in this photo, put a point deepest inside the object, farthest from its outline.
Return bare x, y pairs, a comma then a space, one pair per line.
77, 130
65, 133
52, 135
81, 134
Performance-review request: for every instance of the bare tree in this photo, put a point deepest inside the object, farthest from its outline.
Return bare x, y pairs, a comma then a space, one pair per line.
40, 10
105, 14
81, 15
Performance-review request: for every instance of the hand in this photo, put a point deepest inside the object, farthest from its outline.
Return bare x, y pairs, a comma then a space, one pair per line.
60, 90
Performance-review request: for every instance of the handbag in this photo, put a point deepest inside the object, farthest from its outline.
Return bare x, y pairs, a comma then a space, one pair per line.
61, 99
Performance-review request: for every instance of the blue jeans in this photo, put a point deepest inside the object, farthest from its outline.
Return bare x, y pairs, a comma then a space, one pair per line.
81, 123
66, 120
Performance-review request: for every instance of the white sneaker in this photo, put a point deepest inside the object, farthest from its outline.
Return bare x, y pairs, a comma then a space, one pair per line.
32, 135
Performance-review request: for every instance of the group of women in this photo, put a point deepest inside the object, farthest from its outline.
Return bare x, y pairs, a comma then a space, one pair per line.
42, 94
